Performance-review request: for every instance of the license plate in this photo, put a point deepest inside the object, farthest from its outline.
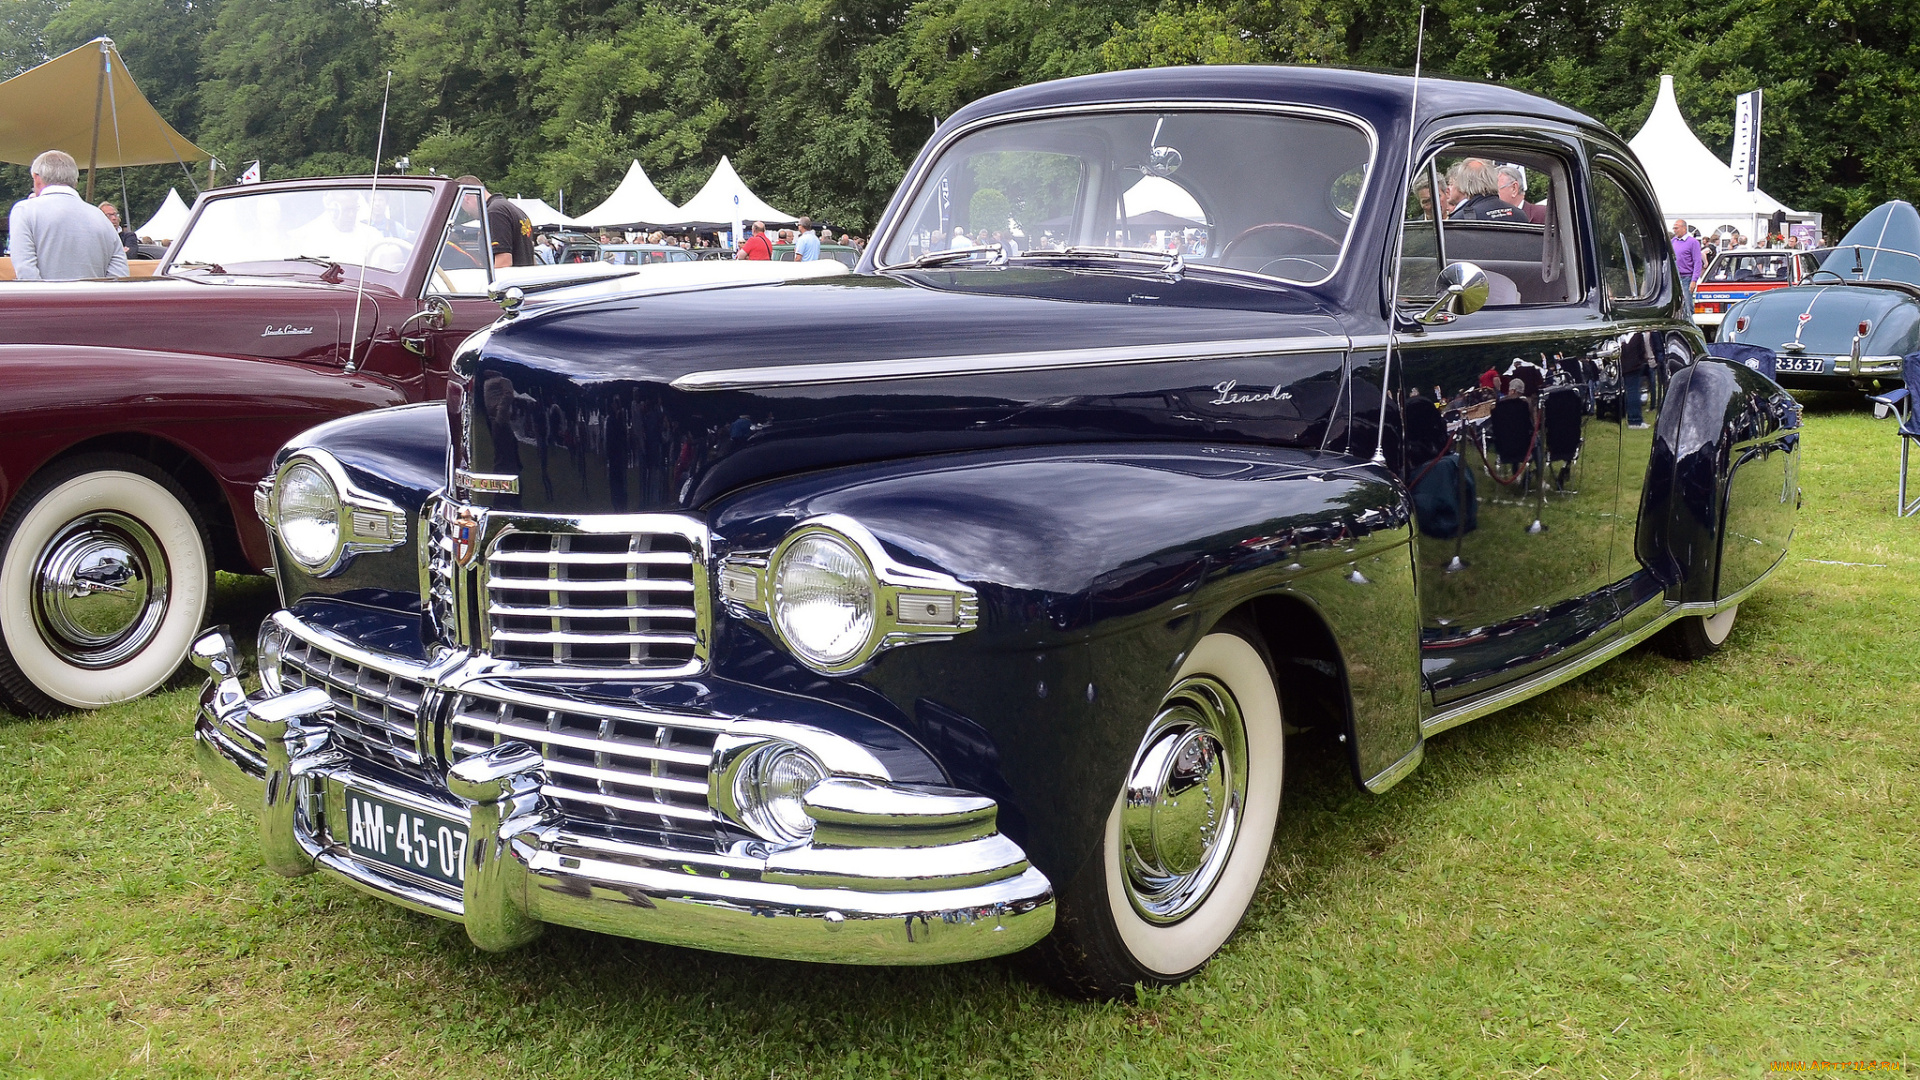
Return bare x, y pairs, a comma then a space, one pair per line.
385, 832
1812, 365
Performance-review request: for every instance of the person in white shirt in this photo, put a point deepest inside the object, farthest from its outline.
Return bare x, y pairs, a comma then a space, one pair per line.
56, 235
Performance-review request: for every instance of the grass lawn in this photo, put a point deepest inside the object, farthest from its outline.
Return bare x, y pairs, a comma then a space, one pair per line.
1658, 870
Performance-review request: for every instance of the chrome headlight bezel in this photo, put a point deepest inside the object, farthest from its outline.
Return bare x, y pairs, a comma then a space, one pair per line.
363, 522
910, 604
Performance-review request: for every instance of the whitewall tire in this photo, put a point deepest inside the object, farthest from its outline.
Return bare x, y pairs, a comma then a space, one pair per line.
1187, 840
104, 580
1693, 637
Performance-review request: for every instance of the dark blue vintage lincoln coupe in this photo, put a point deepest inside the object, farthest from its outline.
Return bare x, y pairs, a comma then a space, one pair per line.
962, 604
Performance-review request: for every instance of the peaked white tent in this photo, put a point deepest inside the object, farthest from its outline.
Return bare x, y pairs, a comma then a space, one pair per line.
540, 213
726, 201
166, 222
1692, 183
635, 202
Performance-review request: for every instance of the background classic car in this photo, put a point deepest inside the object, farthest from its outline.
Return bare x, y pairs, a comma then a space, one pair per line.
1848, 323
967, 621
1736, 275
141, 414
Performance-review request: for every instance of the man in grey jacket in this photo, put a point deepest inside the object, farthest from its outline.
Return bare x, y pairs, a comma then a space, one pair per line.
56, 235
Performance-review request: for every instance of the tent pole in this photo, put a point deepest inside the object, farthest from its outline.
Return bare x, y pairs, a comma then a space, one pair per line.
99, 97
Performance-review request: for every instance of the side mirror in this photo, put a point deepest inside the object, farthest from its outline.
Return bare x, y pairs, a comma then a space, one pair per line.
437, 315
1463, 291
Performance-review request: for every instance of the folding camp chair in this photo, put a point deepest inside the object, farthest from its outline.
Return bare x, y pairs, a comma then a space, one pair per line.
1756, 357
1901, 403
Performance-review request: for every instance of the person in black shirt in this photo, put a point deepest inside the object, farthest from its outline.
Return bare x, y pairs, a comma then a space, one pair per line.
508, 227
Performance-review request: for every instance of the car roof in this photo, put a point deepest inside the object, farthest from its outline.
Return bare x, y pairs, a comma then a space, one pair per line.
1374, 95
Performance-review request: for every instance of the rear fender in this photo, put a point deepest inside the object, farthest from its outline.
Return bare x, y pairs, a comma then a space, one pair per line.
1722, 487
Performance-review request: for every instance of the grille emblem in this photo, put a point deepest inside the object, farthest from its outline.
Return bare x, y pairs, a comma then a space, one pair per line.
465, 528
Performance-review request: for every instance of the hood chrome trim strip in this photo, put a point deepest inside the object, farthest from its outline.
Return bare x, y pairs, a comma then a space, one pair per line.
930, 367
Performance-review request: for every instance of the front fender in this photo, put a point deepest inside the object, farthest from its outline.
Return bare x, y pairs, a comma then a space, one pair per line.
1722, 487
230, 413
399, 455
1097, 569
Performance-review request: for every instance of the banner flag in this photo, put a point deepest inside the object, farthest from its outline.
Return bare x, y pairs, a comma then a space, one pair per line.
252, 175
1746, 140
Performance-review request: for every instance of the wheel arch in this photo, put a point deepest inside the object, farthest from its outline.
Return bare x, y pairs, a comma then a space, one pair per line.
210, 501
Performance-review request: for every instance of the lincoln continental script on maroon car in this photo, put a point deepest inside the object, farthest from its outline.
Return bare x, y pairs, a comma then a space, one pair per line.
963, 603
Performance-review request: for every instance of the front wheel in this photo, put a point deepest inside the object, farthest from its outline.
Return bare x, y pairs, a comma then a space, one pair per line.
104, 578
1692, 637
1187, 839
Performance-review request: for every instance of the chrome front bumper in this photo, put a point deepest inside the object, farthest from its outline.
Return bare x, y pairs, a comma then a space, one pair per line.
893, 874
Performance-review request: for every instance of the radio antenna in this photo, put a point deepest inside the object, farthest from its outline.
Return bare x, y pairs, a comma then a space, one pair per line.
373, 194
1406, 184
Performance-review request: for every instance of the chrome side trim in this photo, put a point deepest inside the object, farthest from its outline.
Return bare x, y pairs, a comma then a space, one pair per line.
1547, 680
1398, 771
931, 367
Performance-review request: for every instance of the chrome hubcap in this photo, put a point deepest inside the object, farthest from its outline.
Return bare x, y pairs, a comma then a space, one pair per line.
100, 589
1185, 795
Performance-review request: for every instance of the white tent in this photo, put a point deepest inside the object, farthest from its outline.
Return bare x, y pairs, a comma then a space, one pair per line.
540, 213
635, 202
166, 222
1692, 183
725, 201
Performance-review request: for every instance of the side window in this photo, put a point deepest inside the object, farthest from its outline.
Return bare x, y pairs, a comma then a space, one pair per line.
1503, 209
1630, 262
462, 266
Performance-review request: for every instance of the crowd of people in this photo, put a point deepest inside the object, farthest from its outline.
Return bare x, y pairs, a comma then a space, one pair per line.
757, 244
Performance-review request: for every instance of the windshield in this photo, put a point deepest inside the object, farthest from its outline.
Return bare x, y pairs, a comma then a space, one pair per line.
350, 225
1858, 262
1264, 193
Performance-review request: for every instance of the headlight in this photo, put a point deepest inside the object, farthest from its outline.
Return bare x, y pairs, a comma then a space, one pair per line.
306, 513
271, 643
823, 599
768, 789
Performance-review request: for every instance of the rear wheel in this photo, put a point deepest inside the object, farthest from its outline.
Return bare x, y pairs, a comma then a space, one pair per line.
1187, 839
104, 577
1692, 637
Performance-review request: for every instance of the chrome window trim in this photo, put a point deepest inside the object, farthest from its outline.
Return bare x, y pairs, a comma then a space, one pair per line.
446, 231
1316, 112
932, 367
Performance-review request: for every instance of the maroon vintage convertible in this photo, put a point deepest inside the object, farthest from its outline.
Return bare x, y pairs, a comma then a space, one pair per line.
140, 414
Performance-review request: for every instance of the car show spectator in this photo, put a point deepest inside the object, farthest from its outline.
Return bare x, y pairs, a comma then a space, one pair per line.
807, 247
508, 227
1512, 189
1686, 258
128, 240
1478, 185
56, 236
756, 246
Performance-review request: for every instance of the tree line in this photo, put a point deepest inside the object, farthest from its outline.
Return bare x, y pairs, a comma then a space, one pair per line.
822, 103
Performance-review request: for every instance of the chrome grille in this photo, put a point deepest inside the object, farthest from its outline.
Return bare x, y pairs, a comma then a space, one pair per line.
375, 715
590, 598
612, 766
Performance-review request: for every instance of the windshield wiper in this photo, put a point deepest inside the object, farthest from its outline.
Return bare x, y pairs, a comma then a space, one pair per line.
1166, 262
952, 255
211, 267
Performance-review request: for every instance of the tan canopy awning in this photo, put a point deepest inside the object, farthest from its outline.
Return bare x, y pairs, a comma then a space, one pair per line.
55, 107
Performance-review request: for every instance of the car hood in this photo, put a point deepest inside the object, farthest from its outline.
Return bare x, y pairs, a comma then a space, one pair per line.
1823, 319
229, 316
669, 399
